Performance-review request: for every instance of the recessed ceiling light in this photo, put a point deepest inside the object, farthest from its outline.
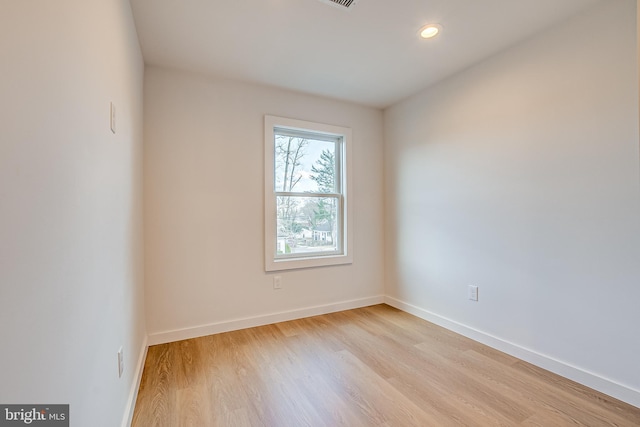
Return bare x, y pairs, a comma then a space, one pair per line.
430, 31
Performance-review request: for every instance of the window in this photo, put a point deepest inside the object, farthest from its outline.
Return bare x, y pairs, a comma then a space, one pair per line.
306, 188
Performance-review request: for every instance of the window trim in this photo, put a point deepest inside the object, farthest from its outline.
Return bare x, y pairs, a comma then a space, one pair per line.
273, 263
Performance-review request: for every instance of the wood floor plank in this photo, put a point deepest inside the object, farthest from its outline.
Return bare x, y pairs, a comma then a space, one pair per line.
515, 410
158, 407
380, 403
388, 358
599, 403
192, 408
375, 366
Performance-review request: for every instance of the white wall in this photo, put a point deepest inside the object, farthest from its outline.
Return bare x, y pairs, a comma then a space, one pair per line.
71, 268
204, 224
521, 175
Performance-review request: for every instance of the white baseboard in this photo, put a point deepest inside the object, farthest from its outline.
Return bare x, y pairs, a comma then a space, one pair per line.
135, 385
250, 322
589, 379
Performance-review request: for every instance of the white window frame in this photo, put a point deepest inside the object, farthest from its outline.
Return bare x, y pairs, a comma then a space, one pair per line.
345, 247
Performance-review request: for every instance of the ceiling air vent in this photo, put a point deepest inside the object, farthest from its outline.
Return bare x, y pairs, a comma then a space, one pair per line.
342, 3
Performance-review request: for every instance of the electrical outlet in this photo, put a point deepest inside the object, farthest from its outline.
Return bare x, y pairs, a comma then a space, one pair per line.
120, 362
277, 282
473, 293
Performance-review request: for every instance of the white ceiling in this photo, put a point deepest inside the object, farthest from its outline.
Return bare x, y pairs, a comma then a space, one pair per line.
369, 54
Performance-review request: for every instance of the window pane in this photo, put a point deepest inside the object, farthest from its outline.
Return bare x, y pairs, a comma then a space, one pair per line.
304, 164
306, 225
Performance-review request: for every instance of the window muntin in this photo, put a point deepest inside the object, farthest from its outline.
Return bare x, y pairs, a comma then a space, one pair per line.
305, 200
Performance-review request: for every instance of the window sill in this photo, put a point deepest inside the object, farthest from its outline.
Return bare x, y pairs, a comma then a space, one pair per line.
307, 262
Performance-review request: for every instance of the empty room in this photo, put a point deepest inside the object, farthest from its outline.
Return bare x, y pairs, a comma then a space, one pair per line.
319, 213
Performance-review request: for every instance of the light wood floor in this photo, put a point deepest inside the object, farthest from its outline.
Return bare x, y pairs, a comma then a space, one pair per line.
375, 366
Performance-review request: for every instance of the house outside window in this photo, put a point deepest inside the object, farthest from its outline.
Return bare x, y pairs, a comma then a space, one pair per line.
307, 210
